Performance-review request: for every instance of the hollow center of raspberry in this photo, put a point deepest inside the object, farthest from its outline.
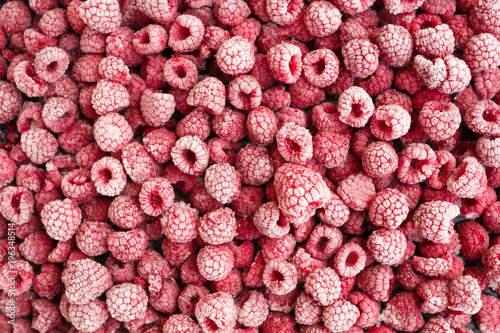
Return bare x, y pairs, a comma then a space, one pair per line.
319, 67
155, 200
180, 72
189, 156
52, 66
277, 276
356, 110
351, 259
183, 33
322, 243
211, 325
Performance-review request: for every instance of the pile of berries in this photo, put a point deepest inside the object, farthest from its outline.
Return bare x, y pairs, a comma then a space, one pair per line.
245, 166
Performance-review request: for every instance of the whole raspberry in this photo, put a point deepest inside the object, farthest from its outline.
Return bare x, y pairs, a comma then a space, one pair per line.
488, 317
395, 44
217, 226
356, 191
180, 323
481, 52
126, 301
299, 180
208, 94
215, 262
360, 57
322, 18
340, 316
387, 246
61, 218
88, 317
280, 277
101, 15
128, 245
434, 220
285, 62
355, 107
85, 280
323, 285
216, 312
222, 182
464, 295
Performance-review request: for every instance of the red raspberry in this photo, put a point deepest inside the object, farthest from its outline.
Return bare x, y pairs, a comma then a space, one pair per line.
61, 218
360, 57
138, 164
488, 317
16, 204
481, 52
216, 312
340, 316
285, 62
356, 191
88, 317
468, 180
101, 15
394, 54
215, 262
322, 19
125, 212
464, 295
417, 162
280, 277
355, 107
208, 94
387, 246
482, 117
126, 301
180, 323
128, 245
91, 237
85, 280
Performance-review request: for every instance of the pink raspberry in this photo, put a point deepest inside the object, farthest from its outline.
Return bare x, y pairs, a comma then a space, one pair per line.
252, 309
294, 143
285, 62
360, 57
481, 52
85, 280
180, 223
356, 191
61, 218
387, 246
254, 165
16, 204
464, 295
215, 262
280, 277
125, 212
91, 237
126, 301
330, 148
395, 54
209, 94
340, 315
468, 180
487, 318
101, 15
138, 164
355, 107
180, 323
379, 159
323, 285
322, 18
434, 220
88, 317
483, 117
186, 33
390, 122
128, 245
417, 162
216, 312
283, 12
231, 12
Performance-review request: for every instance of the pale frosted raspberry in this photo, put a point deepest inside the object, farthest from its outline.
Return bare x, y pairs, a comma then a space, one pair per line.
101, 15
180, 323
322, 18
330, 148
360, 57
390, 122
216, 312
285, 62
126, 301
434, 220
488, 317
61, 218
295, 143
16, 204
402, 312
491, 259
112, 132
254, 165
15, 17
108, 176
323, 285
417, 162
262, 125
483, 117
481, 52
294, 181
248, 28
85, 280
356, 191
46, 315
468, 180
109, 96
232, 12
156, 196
186, 33
340, 316
379, 159
120, 45
387, 246
464, 295
326, 117
215, 262
27, 81
283, 12
355, 107
395, 44
209, 94
280, 277
91, 237
388, 209
138, 164
88, 317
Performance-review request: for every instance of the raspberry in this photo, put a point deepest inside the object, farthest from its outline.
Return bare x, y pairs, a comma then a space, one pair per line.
283, 12
88, 317
395, 45
487, 317
280, 277
216, 312
481, 52
180, 323
101, 15
483, 117
464, 295
323, 285
356, 191
85, 280
417, 162
128, 245
307, 311
468, 180
355, 107
208, 94
322, 19
186, 33
360, 57
285, 62
126, 301
61, 218
340, 316
125, 212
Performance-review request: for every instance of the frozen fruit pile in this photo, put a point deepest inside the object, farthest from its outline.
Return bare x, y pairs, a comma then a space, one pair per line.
232, 166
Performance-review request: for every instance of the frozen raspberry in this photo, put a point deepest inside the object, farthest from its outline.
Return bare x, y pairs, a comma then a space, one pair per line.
101, 15
216, 312
156, 196
355, 107
487, 318
215, 262
91, 237
390, 122
464, 295
360, 57
138, 164
15, 17
209, 94
387, 246
483, 117
109, 96
128, 245
280, 277
379, 159
468, 180
85, 280
490, 260
356, 191
16, 204
231, 12
285, 62
323, 285
340, 316
186, 33
112, 132
395, 45
180, 323
126, 301
481, 52
417, 162
88, 317
322, 19
61, 218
